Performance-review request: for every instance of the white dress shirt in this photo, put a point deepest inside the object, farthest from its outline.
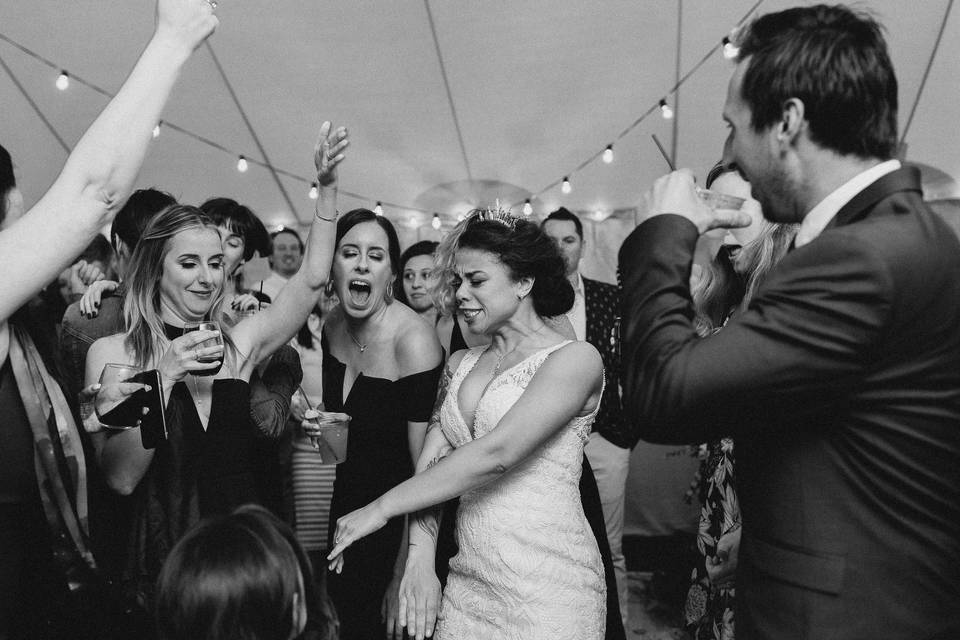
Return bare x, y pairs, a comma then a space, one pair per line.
820, 216
578, 313
272, 285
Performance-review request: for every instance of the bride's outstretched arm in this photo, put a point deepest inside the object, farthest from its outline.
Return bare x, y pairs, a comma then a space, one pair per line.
420, 589
560, 390
419, 595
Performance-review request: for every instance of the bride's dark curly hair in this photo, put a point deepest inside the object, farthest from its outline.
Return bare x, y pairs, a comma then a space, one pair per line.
518, 244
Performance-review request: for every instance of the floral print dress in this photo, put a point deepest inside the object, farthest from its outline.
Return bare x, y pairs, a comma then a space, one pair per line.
709, 609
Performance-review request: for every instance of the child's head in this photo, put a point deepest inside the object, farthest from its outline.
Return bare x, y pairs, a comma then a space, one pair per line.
236, 577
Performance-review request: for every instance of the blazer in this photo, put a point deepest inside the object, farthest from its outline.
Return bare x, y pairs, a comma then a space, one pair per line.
841, 386
602, 304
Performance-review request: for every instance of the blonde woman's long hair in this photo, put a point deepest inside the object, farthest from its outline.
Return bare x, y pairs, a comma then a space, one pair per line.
141, 307
726, 289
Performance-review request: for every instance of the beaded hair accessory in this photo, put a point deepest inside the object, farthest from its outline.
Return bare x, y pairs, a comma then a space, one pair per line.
496, 214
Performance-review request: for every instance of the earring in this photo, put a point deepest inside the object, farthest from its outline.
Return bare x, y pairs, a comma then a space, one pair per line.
328, 288
388, 294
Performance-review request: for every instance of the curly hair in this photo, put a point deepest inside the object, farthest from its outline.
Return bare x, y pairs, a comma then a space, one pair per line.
521, 246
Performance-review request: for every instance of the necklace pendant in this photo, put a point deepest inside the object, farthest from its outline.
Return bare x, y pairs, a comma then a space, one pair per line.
363, 347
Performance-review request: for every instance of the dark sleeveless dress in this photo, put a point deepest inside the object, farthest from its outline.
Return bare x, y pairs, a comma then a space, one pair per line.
194, 474
378, 458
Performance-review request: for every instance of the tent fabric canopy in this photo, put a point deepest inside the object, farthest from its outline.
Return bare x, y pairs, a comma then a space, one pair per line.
536, 88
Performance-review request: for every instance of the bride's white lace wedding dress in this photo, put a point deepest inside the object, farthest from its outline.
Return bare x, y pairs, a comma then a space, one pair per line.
528, 565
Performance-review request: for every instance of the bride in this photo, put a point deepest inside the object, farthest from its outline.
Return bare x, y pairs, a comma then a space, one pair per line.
507, 436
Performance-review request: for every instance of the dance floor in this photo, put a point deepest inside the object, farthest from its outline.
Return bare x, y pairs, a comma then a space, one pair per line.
650, 617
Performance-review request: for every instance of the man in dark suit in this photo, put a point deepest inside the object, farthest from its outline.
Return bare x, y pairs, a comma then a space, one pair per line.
594, 317
841, 382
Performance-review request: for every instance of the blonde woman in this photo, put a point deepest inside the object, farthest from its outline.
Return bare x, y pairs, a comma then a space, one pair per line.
177, 277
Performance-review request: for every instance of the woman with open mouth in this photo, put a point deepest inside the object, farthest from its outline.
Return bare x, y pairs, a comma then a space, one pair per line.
381, 365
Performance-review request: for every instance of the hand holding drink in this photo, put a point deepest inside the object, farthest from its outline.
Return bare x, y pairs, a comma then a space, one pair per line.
116, 401
676, 193
328, 430
207, 351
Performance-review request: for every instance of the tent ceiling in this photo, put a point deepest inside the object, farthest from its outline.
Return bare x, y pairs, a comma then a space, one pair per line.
538, 87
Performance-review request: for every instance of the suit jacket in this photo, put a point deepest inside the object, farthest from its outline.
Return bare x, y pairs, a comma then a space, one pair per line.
841, 386
602, 303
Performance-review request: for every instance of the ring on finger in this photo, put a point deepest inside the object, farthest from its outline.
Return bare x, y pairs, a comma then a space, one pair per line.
196, 353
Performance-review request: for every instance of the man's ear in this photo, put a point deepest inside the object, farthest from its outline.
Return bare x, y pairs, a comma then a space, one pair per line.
792, 122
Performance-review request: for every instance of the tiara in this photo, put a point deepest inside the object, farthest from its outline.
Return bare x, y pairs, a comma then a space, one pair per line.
496, 214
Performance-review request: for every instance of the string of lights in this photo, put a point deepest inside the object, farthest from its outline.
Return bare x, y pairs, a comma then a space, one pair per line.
606, 153
666, 111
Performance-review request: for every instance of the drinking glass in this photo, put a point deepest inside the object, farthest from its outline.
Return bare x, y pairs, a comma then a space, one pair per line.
212, 342
207, 325
331, 444
110, 396
716, 200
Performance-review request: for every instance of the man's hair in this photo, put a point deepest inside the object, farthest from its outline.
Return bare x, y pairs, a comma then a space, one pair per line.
136, 213
7, 180
835, 61
564, 214
292, 232
99, 249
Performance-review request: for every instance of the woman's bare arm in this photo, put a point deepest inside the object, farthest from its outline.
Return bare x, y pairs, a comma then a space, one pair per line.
99, 173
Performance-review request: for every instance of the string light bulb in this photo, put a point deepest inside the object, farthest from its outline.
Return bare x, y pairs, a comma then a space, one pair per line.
242, 165
156, 130
608, 154
565, 187
314, 191
435, 223
730, 50
527, 207
378, 209
63, 81
665, 109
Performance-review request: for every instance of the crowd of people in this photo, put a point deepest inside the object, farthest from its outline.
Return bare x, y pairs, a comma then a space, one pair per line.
370, 443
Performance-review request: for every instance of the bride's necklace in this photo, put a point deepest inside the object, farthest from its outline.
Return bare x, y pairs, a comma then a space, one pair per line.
501, 358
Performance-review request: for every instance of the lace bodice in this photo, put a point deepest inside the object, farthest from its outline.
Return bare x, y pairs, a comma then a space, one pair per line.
528, 565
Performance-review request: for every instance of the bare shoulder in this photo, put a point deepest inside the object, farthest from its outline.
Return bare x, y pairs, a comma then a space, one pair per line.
579, 356
415, 343
453, 362
109, 347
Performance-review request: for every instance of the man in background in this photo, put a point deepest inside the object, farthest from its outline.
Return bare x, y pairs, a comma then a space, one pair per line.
285, 261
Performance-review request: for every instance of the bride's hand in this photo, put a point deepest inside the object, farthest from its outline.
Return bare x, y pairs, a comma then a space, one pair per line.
419, 598
353, 526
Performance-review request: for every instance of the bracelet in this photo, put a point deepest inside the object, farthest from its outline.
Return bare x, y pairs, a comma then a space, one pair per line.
320, 217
